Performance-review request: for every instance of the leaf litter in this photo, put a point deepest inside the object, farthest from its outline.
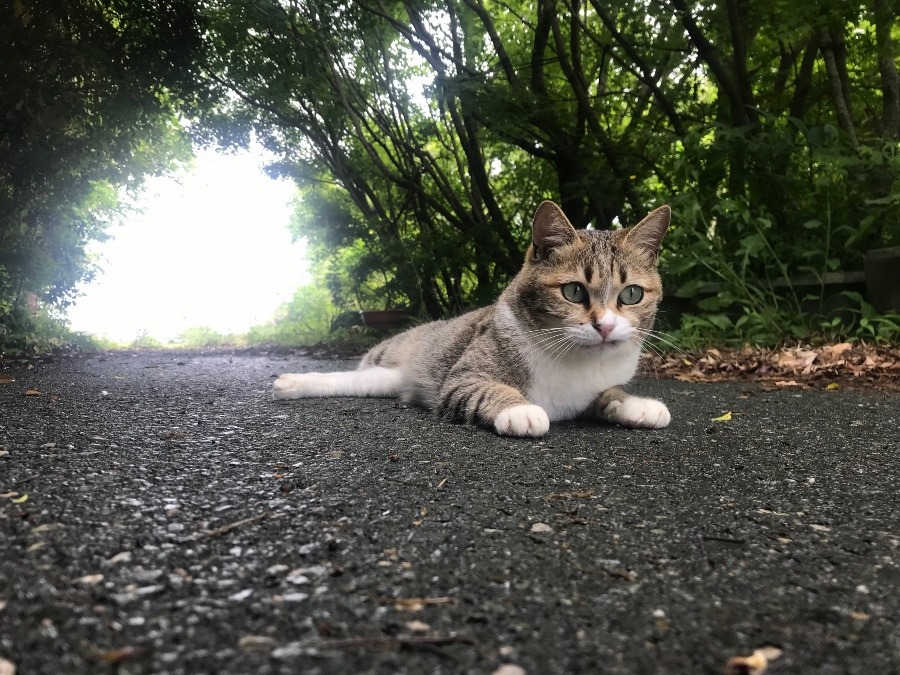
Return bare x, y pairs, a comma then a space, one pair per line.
827, 367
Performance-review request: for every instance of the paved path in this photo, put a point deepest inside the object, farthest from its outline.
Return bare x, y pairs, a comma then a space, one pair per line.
179, 521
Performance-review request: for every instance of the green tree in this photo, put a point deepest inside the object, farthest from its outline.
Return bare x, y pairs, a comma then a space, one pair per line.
90, 94
755, 124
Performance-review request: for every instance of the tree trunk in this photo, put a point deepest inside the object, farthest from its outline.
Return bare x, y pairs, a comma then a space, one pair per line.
840, 95
885, 13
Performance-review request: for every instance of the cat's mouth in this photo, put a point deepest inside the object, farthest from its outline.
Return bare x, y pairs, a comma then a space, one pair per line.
602, 344
607, 344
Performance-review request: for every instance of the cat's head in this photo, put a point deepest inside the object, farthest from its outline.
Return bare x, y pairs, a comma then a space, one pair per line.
599, 288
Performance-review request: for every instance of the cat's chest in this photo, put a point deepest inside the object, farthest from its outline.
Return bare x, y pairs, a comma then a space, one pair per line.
565, 388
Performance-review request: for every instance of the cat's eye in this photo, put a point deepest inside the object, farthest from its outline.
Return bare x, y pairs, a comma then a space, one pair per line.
574, 292
631, 295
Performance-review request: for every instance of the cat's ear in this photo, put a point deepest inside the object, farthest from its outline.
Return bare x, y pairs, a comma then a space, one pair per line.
648, 234
551, 229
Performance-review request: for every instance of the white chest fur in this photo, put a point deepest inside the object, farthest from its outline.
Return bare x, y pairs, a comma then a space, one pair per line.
566, 387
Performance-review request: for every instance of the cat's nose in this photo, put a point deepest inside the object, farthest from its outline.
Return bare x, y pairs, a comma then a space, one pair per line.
604, 329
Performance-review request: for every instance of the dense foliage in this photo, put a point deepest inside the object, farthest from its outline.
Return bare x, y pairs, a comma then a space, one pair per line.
423, 134
90, 94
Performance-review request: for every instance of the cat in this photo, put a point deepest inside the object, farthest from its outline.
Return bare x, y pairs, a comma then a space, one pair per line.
558, 343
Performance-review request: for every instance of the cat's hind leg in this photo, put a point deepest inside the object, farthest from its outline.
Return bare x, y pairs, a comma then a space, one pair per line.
617, 405
374, 381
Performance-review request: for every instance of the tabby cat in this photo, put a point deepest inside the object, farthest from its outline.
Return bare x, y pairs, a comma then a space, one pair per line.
557, 344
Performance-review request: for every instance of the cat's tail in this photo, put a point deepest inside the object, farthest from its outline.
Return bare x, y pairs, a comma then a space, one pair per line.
373, 381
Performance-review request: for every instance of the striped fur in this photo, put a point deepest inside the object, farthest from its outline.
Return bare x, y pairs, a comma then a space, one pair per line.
534, 356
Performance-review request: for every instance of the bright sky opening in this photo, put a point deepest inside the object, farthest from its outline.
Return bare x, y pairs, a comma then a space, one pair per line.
210, 247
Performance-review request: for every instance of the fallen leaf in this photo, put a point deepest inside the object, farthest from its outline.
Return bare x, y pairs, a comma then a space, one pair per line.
124, 556
820, 528
9, 495
509, 669
33, 392
6, 379
124, 654
417, 626
34, 547
7, 667
541, 527
755, 664
418, 604
20, 500
90, 579
787, 383
832, 386
838, 349
725, 417
250, 643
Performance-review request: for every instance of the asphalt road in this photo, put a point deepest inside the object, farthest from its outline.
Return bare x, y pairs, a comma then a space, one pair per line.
178, 520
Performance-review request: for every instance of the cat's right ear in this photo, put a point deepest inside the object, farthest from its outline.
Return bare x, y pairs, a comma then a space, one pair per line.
551, 229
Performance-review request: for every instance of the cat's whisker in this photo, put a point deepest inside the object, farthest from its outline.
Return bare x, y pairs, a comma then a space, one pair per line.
547, 350
538, 346
659, 334
660, 337
550, 350
572, 344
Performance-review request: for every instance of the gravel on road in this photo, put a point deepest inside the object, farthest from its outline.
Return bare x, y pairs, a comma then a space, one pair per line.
160, 513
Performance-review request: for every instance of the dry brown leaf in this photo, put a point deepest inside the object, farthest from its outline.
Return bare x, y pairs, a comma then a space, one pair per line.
33, 392
755, 664
834, 352
418, 604
6, 379
251, 643
124, 654
417, 626
90, 579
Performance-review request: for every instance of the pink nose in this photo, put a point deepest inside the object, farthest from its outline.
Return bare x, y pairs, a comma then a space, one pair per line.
604, 329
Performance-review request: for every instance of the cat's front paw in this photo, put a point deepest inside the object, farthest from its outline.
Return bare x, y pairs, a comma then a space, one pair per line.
638, 413
522, 420
294, 385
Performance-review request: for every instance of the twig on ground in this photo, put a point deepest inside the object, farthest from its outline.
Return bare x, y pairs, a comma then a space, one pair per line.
231, 526
399, 641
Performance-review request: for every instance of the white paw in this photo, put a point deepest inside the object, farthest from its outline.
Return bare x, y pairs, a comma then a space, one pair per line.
636, 412
295, 385
522, 420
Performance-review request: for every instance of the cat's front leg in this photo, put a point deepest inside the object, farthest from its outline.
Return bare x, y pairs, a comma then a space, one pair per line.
617, 405
522, 420
492, 404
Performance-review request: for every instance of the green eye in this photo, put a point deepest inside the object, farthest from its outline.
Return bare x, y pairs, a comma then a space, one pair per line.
574, 292
631, 295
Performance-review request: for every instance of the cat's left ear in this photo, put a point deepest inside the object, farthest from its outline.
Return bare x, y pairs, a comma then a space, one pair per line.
551, 229
648, 234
